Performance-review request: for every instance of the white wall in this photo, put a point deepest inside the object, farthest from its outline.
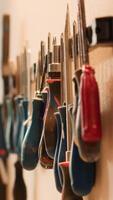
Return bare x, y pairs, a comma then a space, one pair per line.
32, 20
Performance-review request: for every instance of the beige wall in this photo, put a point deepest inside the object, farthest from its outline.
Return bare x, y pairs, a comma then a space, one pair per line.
31, 20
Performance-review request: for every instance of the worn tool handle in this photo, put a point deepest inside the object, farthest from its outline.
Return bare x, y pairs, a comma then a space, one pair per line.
9, 125
50, 126
89, 151
19, 190
55, 163
3, 151
45, 161
63, 140
90, 106
67, 193
18, 122
30, 145
24, 112
82, 174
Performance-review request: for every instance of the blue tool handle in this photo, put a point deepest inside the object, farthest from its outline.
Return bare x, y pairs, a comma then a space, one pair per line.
24, 113
3, 150
67, 192
30, 145
9, 125
55, 163
18, 122
63, 140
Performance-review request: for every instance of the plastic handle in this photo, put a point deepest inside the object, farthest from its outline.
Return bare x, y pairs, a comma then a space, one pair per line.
63, 140
90, 107
9, 125
82, 174
23, 129
50, 126
19, 184
89, 151
45, 161
55, 163
29, 152
3, 151
67, 192
18, 123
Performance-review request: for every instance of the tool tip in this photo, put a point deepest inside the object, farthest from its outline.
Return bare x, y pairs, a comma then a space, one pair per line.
62, 35
49, 34
67, 7
67, 11
67, 21
49, 41
74, 23
54, 40
42, 43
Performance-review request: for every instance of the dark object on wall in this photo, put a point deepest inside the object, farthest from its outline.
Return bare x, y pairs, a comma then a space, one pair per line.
101, 31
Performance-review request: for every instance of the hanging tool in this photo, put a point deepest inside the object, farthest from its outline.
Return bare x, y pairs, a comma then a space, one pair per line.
19, 190
32, 137
89, 135
60, 155
25, 103
65, 145
22, 100
53, 101
82, 174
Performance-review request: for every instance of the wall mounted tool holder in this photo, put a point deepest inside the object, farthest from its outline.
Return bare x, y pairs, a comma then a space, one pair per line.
101, 31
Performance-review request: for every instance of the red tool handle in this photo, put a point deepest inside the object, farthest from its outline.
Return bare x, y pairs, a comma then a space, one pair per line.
90, 106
